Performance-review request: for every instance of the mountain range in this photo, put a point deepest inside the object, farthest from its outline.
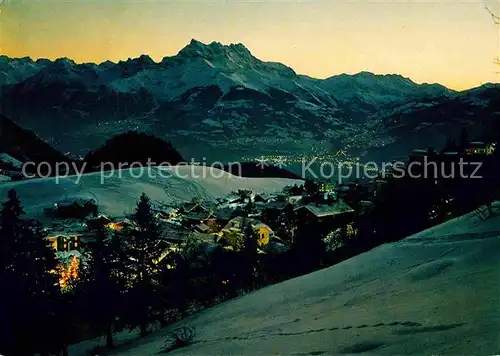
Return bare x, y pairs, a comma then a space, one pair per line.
220, 102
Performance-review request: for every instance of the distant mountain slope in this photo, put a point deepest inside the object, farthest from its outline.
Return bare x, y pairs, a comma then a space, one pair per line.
24, 146
213, 97
476, 110
15, 70
367, 93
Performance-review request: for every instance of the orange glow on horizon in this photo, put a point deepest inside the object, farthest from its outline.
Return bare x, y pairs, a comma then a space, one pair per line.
452, 43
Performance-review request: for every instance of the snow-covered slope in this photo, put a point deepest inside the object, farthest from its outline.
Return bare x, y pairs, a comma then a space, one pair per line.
435, 292
118, 195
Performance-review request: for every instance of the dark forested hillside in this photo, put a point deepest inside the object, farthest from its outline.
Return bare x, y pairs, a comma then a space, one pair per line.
131, 147
25, 146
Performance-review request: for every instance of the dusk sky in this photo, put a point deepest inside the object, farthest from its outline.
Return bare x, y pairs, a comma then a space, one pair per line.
449, 42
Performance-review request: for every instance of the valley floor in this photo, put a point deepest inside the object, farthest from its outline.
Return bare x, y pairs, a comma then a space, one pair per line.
436, 292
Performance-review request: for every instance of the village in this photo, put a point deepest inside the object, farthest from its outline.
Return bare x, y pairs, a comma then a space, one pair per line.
221, 222
329, 209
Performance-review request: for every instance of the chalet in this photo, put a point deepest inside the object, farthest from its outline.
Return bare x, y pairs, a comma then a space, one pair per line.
204, 251
240, 197
319, 213
61, 242
193, 208
274, 208
238, 225
121, 224
172, 235
95, 223
224, 215
260, 198
167, 213
195, 218
66, 241
234, 201
203, 228
76, 208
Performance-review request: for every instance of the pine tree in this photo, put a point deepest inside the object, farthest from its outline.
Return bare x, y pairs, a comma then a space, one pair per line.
308, 247
251, 238
251, 255
30, 294
249, 208
103, 282
311, 187
464, 139
144, 249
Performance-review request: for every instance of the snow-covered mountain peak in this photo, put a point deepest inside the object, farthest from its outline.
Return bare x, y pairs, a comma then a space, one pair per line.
64, 62
60, 67
42, 61
142, 59
220, 85
216, 51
